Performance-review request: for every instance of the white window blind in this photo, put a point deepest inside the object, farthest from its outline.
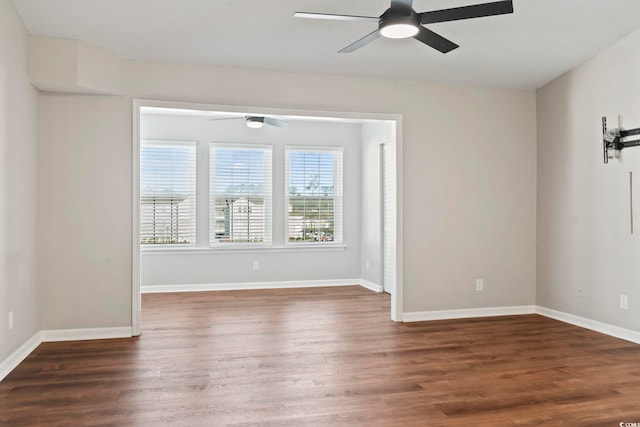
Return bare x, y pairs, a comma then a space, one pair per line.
314, 195
240, 194
167, 193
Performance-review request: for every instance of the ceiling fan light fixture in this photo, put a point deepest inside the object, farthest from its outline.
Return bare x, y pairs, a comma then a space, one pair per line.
401, 30
394, 26
255, 122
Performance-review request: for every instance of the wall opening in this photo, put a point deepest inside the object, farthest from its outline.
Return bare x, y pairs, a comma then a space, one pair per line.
297, 244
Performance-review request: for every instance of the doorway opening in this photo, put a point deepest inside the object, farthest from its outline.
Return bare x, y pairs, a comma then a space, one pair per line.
244, 198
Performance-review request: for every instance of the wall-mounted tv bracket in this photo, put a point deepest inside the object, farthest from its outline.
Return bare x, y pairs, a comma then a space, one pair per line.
614, 140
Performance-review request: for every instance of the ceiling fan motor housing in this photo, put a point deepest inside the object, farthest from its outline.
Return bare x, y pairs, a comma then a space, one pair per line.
254, 122
404, 26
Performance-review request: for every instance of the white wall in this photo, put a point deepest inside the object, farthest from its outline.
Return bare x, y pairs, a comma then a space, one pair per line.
374, 134
18, 180
584, 243
220, 266
468, 170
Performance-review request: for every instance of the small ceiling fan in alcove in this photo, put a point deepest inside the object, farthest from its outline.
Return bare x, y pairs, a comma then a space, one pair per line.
256, 122
401, 21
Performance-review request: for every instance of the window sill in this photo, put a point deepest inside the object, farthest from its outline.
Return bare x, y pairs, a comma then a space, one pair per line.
244, 250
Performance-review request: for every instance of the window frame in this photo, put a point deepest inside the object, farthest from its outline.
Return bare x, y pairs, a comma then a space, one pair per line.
338, 198
213, 244
193, 144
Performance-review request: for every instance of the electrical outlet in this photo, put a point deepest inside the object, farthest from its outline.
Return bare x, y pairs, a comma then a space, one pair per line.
366, 264
624, 302
479, 285
256, 265
10, 320
580, 293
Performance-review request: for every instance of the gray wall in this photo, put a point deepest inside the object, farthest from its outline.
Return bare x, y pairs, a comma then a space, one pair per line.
18, 186
584, 243
469, 186
217, 266
468, 170
85, 211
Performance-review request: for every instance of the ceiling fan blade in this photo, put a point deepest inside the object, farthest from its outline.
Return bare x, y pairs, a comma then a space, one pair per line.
225, 118
434, 40
404, 6
275, 122
311, 15
362, 42
467, 12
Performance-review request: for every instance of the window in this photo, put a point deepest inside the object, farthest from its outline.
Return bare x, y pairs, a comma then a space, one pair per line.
167, 193
240, 194
314, 195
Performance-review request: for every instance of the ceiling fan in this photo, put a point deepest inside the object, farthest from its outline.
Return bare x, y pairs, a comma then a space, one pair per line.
256, 122
401, 21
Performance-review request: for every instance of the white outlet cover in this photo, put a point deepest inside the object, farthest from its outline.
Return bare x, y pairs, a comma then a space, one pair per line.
624, 302
10, 320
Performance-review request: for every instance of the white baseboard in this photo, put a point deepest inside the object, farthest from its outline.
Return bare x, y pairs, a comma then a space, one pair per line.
420, 316
15, 358
10, 363
371, 286
594, 325
151, 289
583, 322
85, 334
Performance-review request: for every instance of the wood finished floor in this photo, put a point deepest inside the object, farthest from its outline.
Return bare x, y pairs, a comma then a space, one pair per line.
326, 357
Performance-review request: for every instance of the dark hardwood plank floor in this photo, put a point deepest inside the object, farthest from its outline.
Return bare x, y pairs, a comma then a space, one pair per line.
325, 357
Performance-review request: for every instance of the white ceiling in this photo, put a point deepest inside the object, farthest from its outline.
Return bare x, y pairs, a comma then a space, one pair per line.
540, 41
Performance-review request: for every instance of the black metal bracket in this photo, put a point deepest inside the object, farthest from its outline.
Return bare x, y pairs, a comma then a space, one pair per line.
614, 140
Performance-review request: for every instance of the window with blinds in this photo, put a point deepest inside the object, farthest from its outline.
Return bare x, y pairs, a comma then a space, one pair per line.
240, 194
314, 195
167, 193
